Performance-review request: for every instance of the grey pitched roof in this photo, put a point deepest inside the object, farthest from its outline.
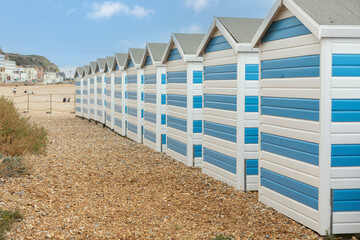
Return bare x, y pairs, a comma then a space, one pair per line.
137, 53
87, 69
121, 58
93, 66
189, 42
242, 29
332, 12
157, 50
80, 71
110, 62
101, 62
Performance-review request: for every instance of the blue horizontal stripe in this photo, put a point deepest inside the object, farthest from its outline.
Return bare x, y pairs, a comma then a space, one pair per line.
92, 101
131, 127
163, 99
118, 108
291, 107
177, 77
252, 72
163, 78
130, 64
197, 101
285, 28
78, 109
149, 135
174, 55
117, 80
132, 95
142, 113
108, 117
118, 122
99, 113
251, 103
118, 94
150, 79
99, 102
291, 188
177, 146
78, 91
346, 65
345, 200
346, 110
163, 119
197, 150
91, 81
177, 100
218, 43
142, 96
197, 126
292, 148
177, 123
217, 101
221, 131
132, 79
221, 72
85, 110
251, 135
132, 111
150, 117
91, 91
163, 139
345, 155
78, 100
148, 61
304, 66
252, 167
150, 98
197, 77
220, 160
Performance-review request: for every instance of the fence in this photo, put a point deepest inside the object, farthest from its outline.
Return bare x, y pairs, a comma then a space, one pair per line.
48, 103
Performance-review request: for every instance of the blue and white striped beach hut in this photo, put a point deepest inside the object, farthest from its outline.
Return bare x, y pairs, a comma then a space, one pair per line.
230, 113
79, 72
109, 79
184, 98
134, 94
93, 94
119, 94
310, 113
154, 96
100, 90
86, 92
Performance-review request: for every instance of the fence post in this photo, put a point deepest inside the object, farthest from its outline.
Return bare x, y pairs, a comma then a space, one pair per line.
50, 104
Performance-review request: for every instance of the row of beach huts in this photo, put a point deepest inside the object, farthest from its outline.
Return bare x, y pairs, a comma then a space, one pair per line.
270, 105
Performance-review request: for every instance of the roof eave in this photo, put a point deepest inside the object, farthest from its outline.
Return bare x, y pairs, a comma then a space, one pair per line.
206, 38
342, 31
166, 53
192, 58
245, 47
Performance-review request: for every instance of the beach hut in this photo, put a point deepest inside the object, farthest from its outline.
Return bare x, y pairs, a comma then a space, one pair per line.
100, 90
230, 111
119, 94
154, 96
93, 95
78, 91
184, 98
110, 78
134, 94
86, 92
310, 113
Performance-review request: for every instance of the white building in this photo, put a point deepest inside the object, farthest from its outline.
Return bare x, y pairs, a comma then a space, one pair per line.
2, 67
10, 67
31, 73
52, 77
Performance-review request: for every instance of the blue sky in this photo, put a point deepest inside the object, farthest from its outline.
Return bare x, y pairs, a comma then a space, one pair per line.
72, 32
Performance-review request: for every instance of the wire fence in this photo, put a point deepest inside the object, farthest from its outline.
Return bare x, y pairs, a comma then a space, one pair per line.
48, 103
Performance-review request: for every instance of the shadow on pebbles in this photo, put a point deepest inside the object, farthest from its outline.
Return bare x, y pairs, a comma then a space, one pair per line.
95, 184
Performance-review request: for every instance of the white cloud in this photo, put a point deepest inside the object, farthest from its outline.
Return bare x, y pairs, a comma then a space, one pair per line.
109, 8
199, 5
70, 11
194, 28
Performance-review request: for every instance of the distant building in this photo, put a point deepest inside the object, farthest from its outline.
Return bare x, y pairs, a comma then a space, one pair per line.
10, 67
53, 77
2, 67
31, 73
40, 73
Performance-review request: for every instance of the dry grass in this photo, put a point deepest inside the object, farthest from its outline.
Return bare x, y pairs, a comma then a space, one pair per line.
7, 218
17, 134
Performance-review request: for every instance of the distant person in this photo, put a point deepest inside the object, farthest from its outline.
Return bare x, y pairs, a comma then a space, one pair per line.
14, 90
25, 91
69, 100
64, 99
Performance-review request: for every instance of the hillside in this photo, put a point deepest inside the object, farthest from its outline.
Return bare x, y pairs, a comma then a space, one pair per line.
33, 61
